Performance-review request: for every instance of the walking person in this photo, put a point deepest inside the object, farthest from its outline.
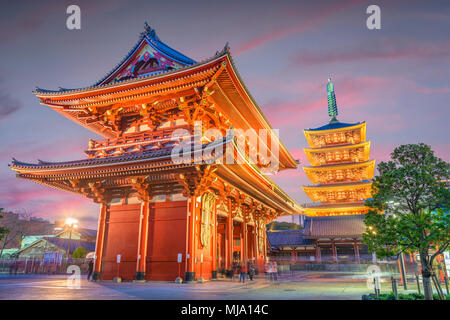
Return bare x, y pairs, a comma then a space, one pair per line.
243, 273
251, 271
233, 271
275, 271
90, 269
269, 271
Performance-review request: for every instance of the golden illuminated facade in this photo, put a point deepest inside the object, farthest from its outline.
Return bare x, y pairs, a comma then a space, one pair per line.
340, 166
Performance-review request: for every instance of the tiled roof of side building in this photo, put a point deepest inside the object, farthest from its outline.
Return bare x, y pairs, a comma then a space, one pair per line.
334, 125
64, 243
87, 232
287, 237
337, 226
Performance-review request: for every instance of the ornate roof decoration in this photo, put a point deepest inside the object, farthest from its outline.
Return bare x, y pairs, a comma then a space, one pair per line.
222, 207
150, 38
332, 112
160, 58
148, 56
238, 214
331, 97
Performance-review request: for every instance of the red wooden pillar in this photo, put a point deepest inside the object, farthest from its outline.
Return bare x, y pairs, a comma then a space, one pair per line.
229, 241
225, 239
255, 243
100, 241
143, 240
190, 255
356, 251
264, 233
245, 242
214, 246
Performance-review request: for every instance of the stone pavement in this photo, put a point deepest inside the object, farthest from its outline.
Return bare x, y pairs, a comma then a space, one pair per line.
301, 285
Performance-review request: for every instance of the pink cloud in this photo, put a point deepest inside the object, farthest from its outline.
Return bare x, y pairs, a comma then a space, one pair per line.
433, 90
48, 151
34, 18
385, 49
307, 24
46, 202
351, 93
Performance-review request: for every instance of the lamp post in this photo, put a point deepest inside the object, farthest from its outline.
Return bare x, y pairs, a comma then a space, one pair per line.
71, 224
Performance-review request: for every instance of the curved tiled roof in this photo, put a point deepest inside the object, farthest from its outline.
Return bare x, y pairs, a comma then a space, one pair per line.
319, 227
334, 125
287, 238
73, 243
137, 156
148, 35
94, 161
340, 226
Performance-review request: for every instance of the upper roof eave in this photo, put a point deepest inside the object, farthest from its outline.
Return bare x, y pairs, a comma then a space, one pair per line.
330, 127
67, 93
264, 120
150, 36
339, 166
41, 166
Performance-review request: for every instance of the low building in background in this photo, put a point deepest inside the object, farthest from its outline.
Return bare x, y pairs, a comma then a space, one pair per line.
321, 240
56, 246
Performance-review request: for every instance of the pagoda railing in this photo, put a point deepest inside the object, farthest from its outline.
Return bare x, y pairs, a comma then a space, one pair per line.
318, 203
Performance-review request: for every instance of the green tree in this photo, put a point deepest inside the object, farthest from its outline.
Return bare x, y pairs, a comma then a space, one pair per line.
414, 200
3, 230
79, 253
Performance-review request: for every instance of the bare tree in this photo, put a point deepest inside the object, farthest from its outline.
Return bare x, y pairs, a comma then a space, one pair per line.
3, 230
17, 225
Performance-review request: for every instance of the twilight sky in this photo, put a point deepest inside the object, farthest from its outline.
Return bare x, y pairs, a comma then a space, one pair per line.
397, 78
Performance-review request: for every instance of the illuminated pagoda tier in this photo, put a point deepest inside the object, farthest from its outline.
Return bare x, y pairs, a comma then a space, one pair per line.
340, 166
154, 207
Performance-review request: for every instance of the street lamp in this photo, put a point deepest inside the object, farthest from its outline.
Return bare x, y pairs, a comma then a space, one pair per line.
70, 224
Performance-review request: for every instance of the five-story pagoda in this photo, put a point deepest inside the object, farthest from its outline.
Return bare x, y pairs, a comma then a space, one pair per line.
340, 166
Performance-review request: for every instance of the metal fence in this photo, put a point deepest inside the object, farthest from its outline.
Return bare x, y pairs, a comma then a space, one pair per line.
385, 266
41, 266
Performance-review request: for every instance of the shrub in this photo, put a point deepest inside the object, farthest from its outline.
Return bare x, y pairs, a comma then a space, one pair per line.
79, 253
401, 296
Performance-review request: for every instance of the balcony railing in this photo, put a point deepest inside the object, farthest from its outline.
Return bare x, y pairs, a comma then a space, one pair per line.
136, 142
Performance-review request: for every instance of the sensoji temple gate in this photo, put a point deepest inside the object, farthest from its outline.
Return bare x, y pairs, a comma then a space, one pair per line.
153, 206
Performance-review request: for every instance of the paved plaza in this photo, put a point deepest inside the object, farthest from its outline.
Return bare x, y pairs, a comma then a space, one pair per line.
302, 285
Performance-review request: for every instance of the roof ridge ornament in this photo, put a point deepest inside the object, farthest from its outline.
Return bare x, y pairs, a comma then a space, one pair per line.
226, 49
150, 32
331, 98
